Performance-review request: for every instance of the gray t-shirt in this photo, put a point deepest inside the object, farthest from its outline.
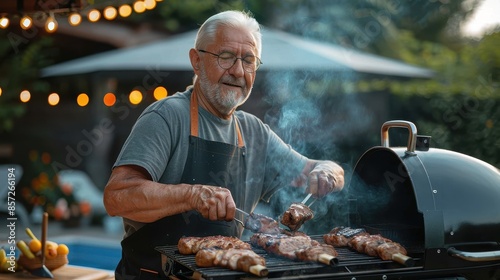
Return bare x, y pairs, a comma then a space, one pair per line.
159, 143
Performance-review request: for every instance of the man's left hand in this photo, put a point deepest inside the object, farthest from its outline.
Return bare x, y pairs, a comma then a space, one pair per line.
326, 177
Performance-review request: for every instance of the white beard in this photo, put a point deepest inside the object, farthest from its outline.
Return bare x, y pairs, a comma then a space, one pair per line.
224, 102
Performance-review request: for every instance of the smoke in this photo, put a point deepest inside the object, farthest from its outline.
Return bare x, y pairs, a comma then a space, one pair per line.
311, 111
317, 112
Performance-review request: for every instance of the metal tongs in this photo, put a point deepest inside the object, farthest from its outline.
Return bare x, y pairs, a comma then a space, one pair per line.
245, 214
307, 198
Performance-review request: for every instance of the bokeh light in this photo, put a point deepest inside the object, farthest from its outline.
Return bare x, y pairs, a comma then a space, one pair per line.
110, 13
74, 19
139, 7
160, 92
82, 99
135, 97
149, 4
109, 99
51, 25
26, 22
25, 96
4, 22
125, 10
94, 15
53, 99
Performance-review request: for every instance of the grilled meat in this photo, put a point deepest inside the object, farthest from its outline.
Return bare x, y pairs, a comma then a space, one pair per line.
262, 224
367, 243
384, 248
388, 250
300, 247
373, 245
340, 236
296, 215
235, 259
322, 253
191, 245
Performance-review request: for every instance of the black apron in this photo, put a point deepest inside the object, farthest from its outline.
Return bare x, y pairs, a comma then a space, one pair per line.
208, 163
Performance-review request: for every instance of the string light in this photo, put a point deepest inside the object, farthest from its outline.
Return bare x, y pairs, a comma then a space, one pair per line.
109, 99
25, 96
4, 22
82, 100
51, 24
74, 19
75, 13
149, 4
125, 10
110, 13
160, 92
135, 97
53, 99
94, 15
139, 7
26, 22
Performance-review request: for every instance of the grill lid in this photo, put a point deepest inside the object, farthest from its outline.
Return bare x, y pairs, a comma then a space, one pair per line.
451, 197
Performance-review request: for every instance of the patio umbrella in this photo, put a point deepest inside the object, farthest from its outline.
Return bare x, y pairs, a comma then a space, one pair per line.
280, 51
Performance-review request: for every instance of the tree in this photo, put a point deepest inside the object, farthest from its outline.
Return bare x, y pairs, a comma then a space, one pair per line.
20, 60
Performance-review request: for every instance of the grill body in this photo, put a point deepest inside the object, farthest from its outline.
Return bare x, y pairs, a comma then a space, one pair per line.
439, 202
441, 205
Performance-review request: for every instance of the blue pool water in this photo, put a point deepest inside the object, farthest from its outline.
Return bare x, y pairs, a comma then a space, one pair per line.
95, 253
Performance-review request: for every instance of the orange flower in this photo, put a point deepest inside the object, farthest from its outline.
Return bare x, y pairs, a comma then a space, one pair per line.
67, 189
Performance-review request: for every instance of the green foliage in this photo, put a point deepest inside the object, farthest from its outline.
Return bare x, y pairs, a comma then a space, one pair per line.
460, 107
19, 71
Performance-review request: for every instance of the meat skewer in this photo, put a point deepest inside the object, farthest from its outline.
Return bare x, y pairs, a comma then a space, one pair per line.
340, 236
296, 215
298, 247
384, 248
373, 245
191, 244
234, 259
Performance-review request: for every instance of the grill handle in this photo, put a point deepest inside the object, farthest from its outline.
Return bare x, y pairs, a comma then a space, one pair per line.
474, 256
412, 137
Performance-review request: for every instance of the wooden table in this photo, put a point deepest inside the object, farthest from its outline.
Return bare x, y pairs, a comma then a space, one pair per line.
67, 272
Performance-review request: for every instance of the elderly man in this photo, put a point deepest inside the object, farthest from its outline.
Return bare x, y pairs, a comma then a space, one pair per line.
191, 158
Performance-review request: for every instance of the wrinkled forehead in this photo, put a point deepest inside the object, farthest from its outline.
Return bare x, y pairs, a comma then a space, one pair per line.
236, 37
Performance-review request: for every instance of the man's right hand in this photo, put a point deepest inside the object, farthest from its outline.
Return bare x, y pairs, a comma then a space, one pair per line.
213, 203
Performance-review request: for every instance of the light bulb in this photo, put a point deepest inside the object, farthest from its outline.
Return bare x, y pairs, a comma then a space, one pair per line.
110, 13
26, 22
125, 10
149, 4
94, 15
139, 7
4, 22
75, 19
51, 24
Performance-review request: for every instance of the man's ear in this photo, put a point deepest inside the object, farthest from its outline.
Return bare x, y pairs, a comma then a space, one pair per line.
194, 57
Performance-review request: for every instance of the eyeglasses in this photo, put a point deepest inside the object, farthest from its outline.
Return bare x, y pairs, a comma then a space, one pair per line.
226, 60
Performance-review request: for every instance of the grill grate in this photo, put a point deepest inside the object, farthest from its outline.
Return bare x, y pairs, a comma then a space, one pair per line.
350, 263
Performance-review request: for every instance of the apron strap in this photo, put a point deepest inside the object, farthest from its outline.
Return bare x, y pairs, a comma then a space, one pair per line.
194, 120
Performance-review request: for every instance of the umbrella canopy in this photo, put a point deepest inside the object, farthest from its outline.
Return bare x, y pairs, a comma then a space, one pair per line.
280, 51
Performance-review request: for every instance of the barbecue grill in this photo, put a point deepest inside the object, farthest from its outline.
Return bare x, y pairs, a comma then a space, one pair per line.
441, 205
